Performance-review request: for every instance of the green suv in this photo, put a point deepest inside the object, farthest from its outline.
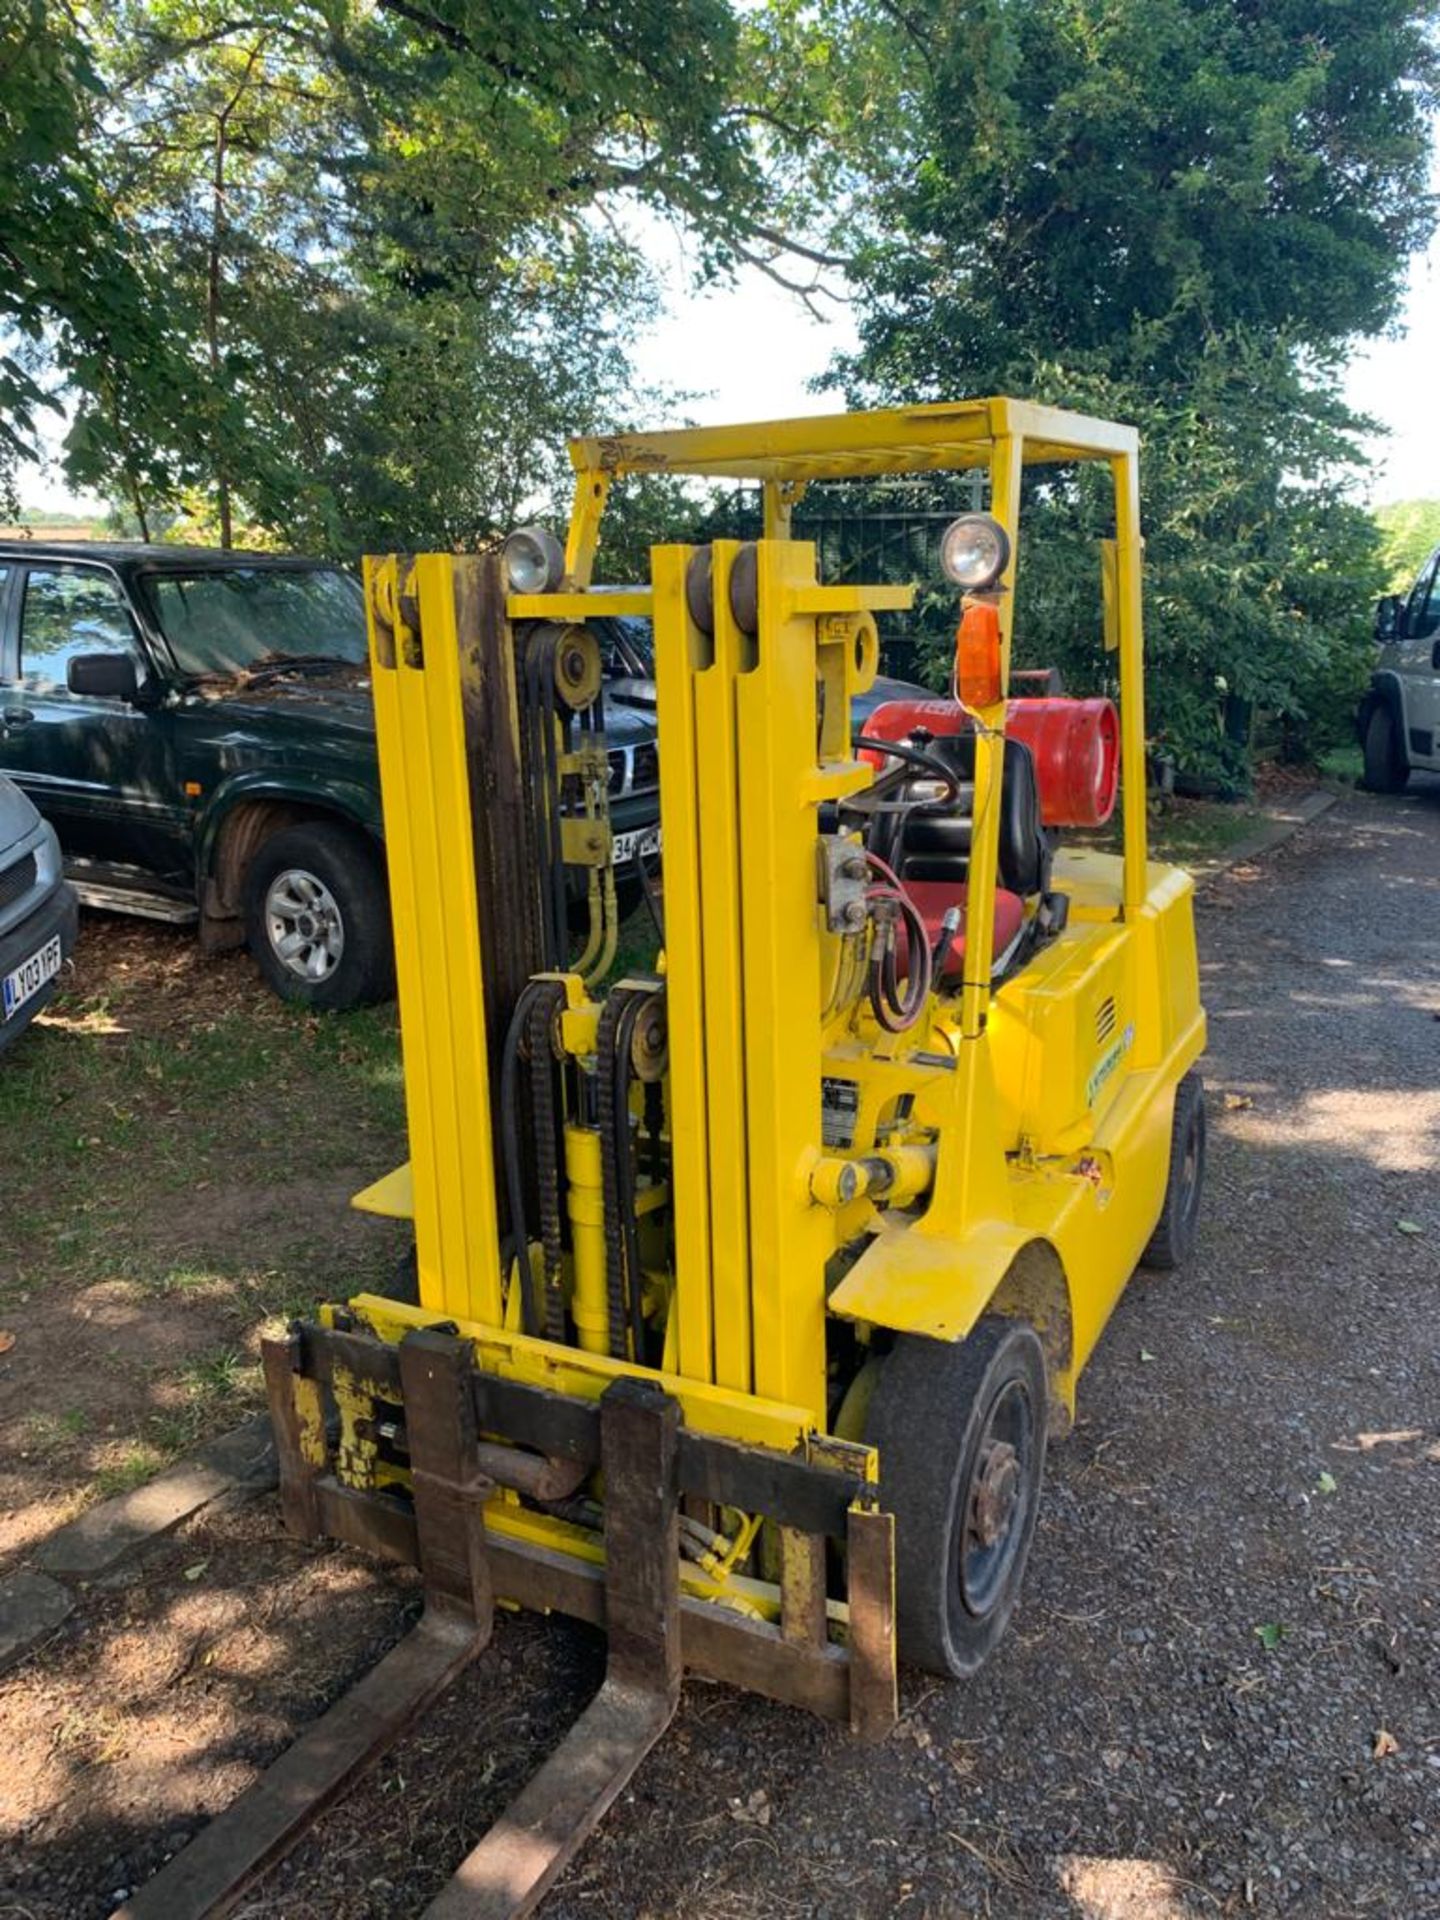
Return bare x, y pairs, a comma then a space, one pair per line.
197, 726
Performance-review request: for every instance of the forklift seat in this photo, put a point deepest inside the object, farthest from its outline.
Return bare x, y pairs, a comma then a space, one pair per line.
933, 898
935, 846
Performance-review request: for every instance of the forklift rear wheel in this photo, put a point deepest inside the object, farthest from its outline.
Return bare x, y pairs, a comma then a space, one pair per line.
961, 1434
1176, 1231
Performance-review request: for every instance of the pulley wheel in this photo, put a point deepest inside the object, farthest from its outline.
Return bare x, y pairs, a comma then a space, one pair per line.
700, 589
650, 1044
745, 589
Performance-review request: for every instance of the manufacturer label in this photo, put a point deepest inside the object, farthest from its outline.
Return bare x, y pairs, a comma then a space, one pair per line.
839, 1104
1107, 1064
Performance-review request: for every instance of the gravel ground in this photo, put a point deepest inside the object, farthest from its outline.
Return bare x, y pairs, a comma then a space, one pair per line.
1222, 1692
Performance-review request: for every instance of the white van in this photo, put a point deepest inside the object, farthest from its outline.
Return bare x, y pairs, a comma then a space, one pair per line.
1399, 718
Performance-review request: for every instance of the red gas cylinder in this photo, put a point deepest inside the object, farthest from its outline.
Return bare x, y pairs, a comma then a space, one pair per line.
1075, 745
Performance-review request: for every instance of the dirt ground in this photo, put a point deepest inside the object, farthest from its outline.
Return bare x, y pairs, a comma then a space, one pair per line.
1222, 1692
182, 1150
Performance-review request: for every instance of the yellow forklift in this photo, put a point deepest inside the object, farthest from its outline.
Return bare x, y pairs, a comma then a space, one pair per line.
749, 1284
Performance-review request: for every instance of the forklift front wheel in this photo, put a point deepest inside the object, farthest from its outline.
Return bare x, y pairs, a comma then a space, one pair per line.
961, 1435
1177, 1229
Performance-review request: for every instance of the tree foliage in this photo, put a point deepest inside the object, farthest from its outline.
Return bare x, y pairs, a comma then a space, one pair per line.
1180, 213
346, 272
394, 240
1409, 532
75, 307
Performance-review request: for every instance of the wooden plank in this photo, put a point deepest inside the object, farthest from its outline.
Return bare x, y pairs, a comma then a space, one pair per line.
449, 1492
207, 1878
874, 1700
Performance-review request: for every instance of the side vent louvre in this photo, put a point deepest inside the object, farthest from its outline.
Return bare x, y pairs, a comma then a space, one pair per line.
1104, 1020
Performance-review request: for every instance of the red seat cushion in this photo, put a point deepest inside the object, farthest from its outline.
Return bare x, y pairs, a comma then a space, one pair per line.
934, 898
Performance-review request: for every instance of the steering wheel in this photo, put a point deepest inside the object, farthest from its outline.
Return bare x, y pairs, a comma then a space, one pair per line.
876, 798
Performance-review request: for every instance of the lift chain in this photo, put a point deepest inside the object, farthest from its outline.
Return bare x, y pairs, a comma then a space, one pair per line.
609, 1169
545, 1009
614, 1043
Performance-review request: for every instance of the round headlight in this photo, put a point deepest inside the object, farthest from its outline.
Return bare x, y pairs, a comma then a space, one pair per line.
974, 551
534, 561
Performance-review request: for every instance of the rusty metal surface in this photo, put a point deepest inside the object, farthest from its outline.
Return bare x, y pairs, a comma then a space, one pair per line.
508, 1873
448, 1489
208, 1877
874, 1701
520, 1858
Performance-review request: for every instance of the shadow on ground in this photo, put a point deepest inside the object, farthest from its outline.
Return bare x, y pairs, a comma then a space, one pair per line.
1222, 1694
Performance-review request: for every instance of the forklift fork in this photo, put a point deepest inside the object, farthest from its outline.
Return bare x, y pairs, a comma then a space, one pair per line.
529, 1846
641, 1452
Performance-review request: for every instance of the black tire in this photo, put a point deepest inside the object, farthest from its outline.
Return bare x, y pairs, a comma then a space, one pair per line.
339, 885
1178, 1228
1386, 767
937, 1415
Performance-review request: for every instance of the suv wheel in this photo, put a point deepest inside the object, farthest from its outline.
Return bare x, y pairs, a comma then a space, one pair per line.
317, 918
1386, 768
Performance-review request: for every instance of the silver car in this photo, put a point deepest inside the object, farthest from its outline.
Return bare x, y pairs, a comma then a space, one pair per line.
38, 913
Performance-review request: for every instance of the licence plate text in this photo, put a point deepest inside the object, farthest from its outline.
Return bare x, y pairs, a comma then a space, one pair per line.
22, 983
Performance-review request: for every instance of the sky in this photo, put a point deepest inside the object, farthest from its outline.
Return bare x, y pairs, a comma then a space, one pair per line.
749, 350
752, 349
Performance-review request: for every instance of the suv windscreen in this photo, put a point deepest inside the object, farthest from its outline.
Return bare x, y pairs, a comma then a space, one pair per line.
233, 619
628, 649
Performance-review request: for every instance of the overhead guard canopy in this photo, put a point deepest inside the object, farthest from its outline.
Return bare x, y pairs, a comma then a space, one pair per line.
954, 435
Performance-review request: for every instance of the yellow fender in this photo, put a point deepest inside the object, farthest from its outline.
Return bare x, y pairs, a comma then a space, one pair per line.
910, 1281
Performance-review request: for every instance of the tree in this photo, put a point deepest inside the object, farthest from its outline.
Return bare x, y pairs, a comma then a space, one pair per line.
1178, 212
73, 300
391, 235
1409, 532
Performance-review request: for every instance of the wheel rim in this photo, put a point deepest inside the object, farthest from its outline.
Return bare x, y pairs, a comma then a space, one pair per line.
304, 925
997, 1500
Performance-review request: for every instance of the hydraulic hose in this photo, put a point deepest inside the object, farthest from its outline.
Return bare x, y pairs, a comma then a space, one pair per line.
895, 1011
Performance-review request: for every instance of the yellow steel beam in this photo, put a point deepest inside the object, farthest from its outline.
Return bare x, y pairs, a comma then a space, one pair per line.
989, 766
955, 434
591, 492
598, 603
747, 1417
720, 751
681, 649
1129, 561
779, 791
420, 729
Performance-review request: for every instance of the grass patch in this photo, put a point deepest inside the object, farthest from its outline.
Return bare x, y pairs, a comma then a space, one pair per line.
1346, 764
137, 1463
1183, 833
185, 1146
1187, 833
